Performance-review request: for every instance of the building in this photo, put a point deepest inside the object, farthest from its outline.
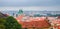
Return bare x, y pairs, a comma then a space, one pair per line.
3, 15
29, 13
33, 22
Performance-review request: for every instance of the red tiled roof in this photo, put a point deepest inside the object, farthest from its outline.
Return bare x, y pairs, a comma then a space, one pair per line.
56, 21
39, 23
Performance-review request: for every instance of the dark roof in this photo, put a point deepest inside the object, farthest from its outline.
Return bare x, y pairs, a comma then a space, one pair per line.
2, 15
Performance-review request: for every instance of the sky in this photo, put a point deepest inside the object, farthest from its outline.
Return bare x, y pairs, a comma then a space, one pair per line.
50, 5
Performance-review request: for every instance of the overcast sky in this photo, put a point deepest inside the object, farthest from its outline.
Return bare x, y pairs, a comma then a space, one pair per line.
30, 5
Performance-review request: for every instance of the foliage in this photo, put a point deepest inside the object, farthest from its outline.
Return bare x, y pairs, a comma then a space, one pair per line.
11, 23
2, 21
37, 15
55, 15
2, 26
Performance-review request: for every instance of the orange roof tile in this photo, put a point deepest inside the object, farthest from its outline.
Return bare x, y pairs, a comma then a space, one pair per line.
39, 22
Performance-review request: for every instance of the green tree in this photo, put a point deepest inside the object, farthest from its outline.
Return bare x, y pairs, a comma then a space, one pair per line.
2, 26
37, 15
2, 22
11, 23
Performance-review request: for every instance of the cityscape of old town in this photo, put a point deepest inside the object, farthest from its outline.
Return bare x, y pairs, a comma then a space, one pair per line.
35, 19
29, 14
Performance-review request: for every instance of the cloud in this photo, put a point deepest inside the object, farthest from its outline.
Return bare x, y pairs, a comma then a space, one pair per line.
29, 2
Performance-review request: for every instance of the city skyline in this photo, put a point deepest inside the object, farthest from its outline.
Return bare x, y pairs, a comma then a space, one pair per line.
33, 8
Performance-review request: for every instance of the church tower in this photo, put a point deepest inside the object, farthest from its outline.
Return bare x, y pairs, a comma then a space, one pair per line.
20, 12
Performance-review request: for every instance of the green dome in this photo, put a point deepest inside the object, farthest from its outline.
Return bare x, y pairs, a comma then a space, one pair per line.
20, 11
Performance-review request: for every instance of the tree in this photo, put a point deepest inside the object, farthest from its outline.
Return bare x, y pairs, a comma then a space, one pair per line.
37, 15
2, 26
11, 23
2, 22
